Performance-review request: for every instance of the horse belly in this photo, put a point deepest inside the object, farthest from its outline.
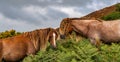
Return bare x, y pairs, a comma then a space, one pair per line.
14, 52
110, 31
15, 56
110, 37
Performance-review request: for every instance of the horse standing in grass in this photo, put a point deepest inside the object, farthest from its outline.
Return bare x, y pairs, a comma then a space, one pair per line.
95, 30
15, 48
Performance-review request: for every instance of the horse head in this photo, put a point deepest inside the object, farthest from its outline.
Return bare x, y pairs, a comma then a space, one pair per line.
52, 37
66, 27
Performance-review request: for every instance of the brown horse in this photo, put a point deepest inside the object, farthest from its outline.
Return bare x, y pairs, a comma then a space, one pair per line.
17, 47
65, 29
96, 30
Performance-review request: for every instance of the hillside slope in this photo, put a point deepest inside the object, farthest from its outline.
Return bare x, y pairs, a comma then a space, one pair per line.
100, 13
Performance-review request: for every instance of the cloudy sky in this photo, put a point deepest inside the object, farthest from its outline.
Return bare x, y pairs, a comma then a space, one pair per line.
28, 15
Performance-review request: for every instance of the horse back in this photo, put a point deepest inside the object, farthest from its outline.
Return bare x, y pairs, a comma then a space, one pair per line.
106, 30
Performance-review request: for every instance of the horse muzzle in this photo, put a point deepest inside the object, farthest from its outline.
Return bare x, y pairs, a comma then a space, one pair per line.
54, 47
62, 36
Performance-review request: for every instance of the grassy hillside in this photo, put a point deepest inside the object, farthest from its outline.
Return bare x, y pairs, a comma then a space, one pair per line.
82, 51
113, 15
103, 12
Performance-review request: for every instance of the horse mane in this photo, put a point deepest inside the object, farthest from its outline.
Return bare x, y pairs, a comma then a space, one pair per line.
69, 19
39, 36
33, 35
75, 19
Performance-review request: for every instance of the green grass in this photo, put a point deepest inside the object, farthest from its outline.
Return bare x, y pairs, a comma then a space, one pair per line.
72, 51
112, 16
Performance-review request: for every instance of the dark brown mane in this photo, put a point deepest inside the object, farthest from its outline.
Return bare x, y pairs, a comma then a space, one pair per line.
31, 33
38, 35
35, 32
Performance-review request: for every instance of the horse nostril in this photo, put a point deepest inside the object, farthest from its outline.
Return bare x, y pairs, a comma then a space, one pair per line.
62, 36
53, 47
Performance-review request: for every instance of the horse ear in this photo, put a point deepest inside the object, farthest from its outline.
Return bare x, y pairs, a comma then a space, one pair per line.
49, 30
66, 20
69, 20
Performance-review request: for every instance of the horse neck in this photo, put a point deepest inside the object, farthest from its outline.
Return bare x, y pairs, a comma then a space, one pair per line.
44, 37
48, 36
34, 38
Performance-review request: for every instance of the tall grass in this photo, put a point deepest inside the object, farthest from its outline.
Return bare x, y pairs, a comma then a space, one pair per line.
72, 51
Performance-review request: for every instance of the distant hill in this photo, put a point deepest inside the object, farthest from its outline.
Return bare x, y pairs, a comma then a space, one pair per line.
100, 13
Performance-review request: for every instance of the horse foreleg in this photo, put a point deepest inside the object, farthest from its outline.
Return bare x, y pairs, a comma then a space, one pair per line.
96, 42
0, 59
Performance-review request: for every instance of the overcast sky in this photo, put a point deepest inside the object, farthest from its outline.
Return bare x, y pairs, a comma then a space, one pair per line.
28, 15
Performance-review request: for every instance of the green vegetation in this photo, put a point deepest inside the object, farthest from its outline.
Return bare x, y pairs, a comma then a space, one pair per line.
114, 15
118, 7
69, 50
9, 33
72, 51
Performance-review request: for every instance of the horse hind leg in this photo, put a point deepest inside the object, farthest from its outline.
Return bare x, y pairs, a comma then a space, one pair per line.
0, 55
1, 51
0, 59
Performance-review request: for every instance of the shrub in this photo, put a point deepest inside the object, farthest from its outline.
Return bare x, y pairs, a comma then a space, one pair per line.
9, 33
118, 7
112, 16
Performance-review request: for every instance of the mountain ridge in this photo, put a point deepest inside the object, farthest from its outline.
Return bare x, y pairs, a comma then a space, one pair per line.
100, 13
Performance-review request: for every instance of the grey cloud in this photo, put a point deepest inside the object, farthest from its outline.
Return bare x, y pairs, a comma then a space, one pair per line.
18, 3
54, 14
18, 14
21, 3
12, 9
45, 3
78, 3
